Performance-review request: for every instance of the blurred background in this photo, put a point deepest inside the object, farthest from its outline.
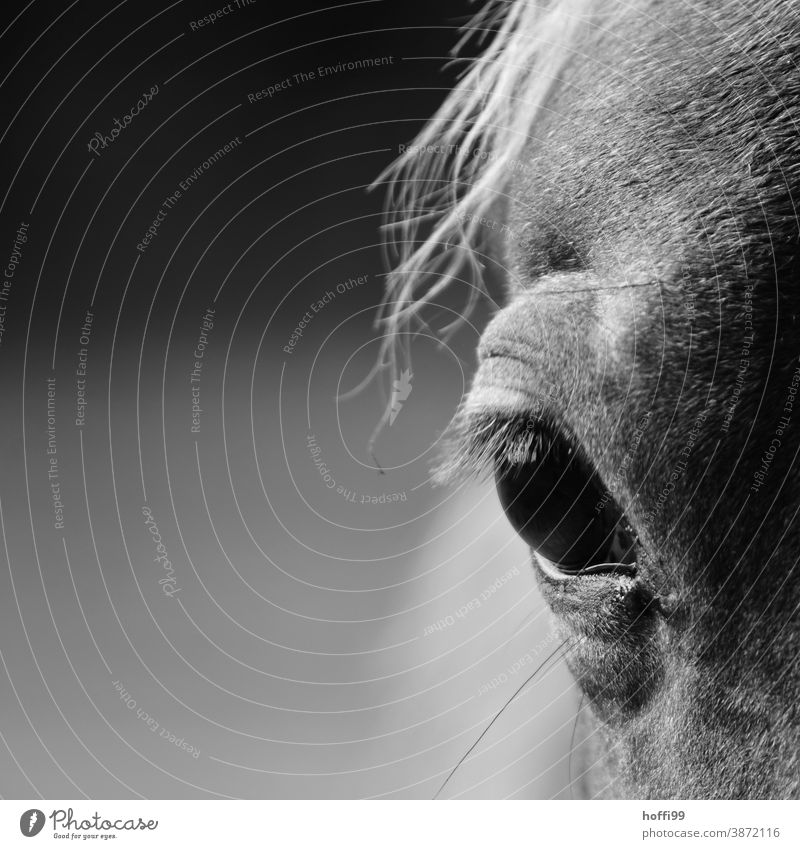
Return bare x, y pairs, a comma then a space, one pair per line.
210, 586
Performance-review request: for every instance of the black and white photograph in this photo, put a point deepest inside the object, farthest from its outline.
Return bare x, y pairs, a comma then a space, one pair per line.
401, 406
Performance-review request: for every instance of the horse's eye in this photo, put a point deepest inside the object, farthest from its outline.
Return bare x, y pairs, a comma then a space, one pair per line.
559, 507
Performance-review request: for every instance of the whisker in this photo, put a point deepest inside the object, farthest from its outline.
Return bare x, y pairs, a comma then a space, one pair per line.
572, 746
573, 291
499, 713
524, 623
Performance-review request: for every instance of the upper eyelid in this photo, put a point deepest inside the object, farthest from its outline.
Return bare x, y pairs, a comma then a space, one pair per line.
501, 418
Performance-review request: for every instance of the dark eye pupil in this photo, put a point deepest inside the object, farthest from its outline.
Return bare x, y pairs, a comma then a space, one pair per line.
558, 507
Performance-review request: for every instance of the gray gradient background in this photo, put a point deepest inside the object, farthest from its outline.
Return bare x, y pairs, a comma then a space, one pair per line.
295, 656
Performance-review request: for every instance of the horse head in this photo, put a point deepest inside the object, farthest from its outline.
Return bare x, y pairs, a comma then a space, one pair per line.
632, 169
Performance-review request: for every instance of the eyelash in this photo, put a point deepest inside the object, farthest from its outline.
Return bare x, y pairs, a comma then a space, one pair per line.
479, 444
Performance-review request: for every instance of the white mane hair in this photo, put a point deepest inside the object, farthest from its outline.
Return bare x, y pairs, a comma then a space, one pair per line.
459, 165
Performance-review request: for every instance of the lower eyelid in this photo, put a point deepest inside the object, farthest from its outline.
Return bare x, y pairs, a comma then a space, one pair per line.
551, 570
555, 574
